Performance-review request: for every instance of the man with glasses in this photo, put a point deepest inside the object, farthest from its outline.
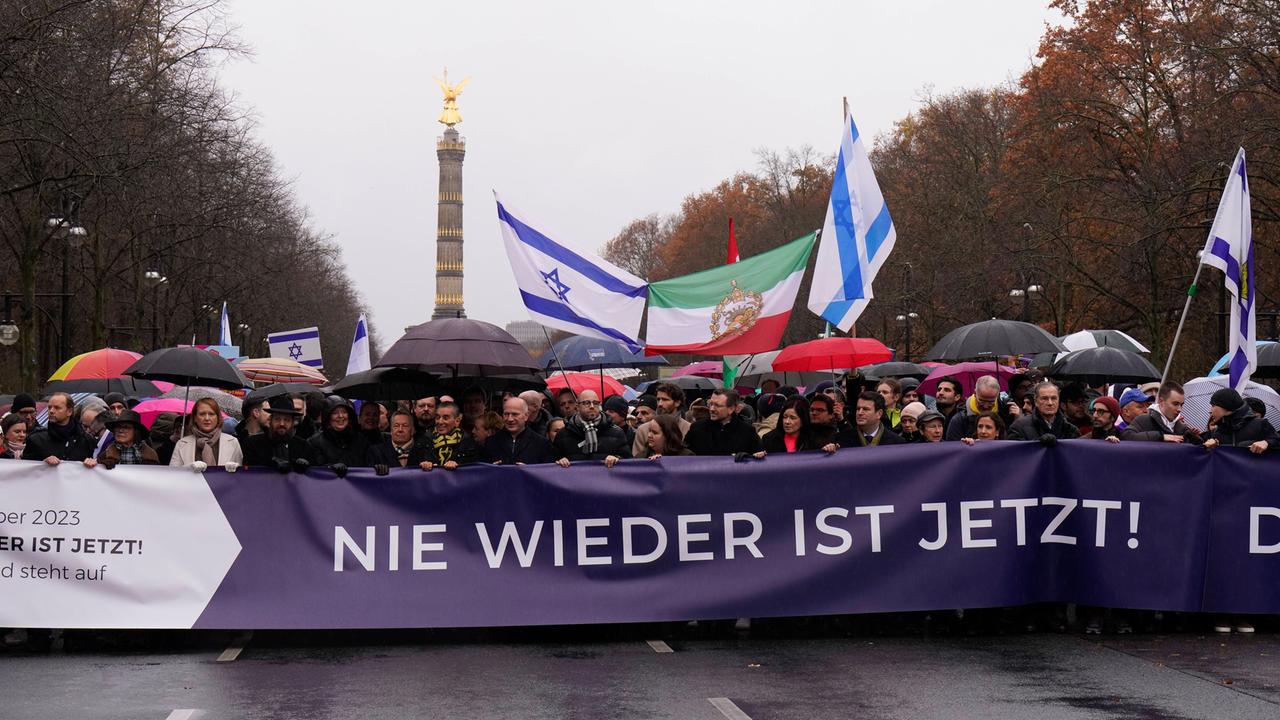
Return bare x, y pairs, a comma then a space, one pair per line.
985, 398
823, 423
588, 434
724, 432
1103, 412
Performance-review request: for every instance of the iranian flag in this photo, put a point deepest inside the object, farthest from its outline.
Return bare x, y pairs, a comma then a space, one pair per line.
729, 310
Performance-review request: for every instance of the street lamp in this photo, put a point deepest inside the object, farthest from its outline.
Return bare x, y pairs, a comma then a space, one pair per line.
1025, 294
906, 319
73, 235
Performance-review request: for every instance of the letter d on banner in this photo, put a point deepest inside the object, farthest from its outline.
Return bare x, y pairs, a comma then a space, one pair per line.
1255, 520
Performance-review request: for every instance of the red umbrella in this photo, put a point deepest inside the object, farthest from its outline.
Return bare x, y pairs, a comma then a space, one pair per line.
834, 353
967, 373
579, 381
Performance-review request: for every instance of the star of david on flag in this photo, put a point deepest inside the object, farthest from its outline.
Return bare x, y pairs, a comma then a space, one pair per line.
302, 345
572, 289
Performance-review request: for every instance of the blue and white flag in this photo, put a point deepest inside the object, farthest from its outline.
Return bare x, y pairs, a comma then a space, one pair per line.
572, 290
1230, 249
358, 360
857, 236
302, 345
224, 337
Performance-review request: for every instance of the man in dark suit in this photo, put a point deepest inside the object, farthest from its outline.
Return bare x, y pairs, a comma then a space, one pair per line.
515, 443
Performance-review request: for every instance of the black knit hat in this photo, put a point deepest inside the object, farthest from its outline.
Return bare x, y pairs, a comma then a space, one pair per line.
615, 403
1227, 399
21, 401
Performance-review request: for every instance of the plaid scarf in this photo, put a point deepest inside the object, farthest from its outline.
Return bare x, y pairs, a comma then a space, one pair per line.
129, 454
591, 439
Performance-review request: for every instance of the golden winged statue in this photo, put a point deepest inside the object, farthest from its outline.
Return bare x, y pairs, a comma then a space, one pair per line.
450, 116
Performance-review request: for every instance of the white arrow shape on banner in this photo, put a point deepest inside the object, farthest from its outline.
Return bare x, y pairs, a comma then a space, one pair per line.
183, 546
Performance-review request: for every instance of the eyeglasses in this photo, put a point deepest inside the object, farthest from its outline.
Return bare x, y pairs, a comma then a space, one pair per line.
1100, 411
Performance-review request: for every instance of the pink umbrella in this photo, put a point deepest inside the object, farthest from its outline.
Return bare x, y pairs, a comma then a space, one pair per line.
705, 368
149, 409
967, 373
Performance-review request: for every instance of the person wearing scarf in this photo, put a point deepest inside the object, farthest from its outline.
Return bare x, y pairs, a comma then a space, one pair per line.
868, 429
127, 446
63, 438
449, 446
205, 445
589, 435
14, 429
1046, 419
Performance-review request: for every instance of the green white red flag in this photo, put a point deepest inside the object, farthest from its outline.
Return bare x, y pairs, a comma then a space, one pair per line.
728, 310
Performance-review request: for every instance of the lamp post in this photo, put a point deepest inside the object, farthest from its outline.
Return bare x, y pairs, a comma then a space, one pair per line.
244, 337
67, 230
154, 279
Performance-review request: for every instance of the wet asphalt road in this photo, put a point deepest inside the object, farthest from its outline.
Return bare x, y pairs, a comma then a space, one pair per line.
572, 675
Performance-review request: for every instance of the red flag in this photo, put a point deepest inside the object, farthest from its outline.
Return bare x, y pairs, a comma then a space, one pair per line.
733, 245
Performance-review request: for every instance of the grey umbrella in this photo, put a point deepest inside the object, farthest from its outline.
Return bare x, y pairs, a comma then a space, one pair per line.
459, 347
387, 384
230, 404
993, 339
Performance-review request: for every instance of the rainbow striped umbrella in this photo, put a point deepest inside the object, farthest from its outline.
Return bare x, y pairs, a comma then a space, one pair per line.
96, 365
281, 370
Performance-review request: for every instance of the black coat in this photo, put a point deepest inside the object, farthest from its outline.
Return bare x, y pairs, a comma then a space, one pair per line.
1239, 429
262, 451
76, 447
384, 453
610, 440
528, 448
709, 437
853, 438
1148, 427
1032, 426
348, 448
464, 452
810, 438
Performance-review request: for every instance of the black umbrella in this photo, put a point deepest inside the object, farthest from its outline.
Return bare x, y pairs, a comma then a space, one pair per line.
459, 347
266, 392
584, 353
391, 383
187, 366
993, 339
127, 386
1099, 365
896, 369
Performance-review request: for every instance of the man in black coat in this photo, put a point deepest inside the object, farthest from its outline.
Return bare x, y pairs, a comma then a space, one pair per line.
1162, 423
448, 446
399, 449
339, 444
515, 443
868, 428
1046, 419
1235, 425
279, 447
63, 438
724, 432
589, 435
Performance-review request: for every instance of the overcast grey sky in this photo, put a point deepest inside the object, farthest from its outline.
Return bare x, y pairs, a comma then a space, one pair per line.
584, 115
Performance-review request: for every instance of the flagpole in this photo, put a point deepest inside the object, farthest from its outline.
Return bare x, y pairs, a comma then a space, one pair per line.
853, 327
556, 355
1191, 293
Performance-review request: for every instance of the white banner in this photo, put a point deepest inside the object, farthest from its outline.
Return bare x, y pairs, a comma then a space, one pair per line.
130, 547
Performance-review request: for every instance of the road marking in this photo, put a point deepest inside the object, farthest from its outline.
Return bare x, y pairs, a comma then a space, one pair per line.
659, 646
237, 647
182, 714
728, 709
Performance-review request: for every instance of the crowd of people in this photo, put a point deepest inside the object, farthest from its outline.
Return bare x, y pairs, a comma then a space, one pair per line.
297, 432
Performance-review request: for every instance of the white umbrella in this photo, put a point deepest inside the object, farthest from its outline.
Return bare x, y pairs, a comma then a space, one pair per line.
1102, 338
1196, 409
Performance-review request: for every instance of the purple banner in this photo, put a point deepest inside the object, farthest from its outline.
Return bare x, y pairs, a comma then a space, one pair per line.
916, 527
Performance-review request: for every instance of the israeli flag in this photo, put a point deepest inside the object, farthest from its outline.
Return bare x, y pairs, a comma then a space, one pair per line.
302, 345
224, 337
358, 360
857, 237
1230, 249
569, 289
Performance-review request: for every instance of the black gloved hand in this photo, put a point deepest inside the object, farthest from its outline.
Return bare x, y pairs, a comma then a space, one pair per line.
339, 469
282, 465
301, 465
381, 470
1048, 439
